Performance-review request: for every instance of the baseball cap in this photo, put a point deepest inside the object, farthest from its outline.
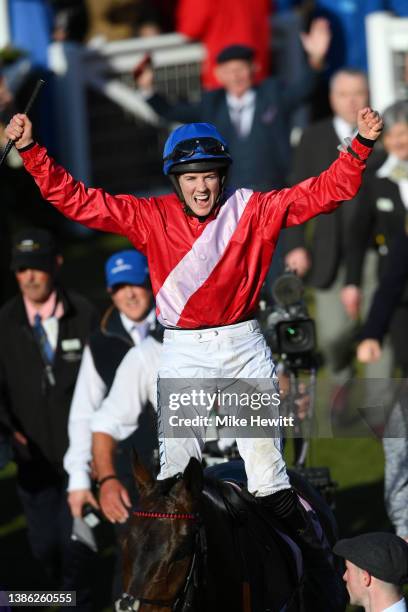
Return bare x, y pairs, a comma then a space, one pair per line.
34, 248
126, 268
235, 52
383, 555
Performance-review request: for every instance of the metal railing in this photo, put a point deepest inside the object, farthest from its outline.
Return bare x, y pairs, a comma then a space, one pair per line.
108, 134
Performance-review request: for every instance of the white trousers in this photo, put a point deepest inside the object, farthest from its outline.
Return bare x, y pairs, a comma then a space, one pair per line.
233, 351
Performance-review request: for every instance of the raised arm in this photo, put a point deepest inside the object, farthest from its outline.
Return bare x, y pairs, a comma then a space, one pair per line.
315, 43
122, 214
322, 194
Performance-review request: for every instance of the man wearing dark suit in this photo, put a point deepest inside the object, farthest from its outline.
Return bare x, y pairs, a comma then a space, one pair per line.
324, 258
381, 217
385, 305
254, 119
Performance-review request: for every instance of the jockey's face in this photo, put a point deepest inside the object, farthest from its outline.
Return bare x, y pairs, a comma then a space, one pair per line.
134, 301
200, 190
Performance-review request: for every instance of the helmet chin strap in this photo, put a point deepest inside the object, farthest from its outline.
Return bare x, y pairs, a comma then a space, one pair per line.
189, 211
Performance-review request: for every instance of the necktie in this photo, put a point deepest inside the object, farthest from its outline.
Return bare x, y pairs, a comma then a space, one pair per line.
236, 117
46, 349
399, 172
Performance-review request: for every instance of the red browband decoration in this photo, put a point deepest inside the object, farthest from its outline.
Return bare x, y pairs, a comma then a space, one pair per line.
166, 515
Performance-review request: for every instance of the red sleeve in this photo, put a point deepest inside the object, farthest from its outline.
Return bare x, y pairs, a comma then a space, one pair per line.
316, 195
121, 214
192, 17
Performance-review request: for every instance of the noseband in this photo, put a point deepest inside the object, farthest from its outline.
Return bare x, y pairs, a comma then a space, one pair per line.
183, 601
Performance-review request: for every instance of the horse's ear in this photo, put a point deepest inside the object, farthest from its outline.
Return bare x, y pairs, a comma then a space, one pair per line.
144, 479
193, 477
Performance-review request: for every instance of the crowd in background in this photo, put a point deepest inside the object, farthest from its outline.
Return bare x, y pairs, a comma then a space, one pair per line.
353, 260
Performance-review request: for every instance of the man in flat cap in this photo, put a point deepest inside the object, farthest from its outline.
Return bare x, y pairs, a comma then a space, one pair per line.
253, 118
376, 570
43, 331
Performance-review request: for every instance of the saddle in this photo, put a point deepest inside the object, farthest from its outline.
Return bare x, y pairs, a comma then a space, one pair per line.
234, 473
258, 536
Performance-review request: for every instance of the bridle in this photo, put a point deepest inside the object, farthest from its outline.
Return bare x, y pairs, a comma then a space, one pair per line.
183, 601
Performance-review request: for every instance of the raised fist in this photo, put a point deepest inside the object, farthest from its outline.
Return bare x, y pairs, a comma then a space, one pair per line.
369, 123
20, 130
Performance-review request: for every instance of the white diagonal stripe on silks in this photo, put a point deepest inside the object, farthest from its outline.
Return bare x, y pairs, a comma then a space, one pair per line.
196, 266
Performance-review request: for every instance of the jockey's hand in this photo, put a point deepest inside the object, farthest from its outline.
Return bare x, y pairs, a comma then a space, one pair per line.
351, 299
298, 260
78, 498
368, 351
20, 130
369, 123
114, 501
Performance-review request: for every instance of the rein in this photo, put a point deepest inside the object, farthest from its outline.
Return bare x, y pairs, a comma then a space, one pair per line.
130, 603
167, 515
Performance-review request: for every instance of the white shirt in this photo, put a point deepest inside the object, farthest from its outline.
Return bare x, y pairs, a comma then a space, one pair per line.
399, 606
138, 331
88, 396
343, 129
135, 384
241, 111
386, 169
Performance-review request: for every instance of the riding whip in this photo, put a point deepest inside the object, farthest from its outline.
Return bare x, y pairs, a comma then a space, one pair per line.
27, 109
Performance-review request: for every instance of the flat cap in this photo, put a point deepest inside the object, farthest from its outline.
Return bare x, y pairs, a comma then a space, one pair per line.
235, 52
383, 555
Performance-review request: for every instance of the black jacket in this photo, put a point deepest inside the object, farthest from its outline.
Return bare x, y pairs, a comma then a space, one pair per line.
390, 291
28, 403
261, 160
330, 236
108, 345
380, 217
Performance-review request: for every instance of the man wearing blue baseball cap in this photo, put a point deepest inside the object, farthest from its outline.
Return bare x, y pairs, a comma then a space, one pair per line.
125, 324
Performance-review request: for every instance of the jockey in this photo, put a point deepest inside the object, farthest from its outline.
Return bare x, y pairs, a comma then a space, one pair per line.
209, 251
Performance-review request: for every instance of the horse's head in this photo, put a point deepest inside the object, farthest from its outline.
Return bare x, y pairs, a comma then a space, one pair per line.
160, 547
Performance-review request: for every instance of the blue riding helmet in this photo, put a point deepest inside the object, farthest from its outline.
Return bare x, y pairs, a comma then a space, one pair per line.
195, 147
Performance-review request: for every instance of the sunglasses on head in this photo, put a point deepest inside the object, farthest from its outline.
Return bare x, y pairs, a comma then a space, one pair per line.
187, 148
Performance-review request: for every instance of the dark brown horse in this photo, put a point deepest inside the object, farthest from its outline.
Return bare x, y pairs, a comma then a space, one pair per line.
197, 544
